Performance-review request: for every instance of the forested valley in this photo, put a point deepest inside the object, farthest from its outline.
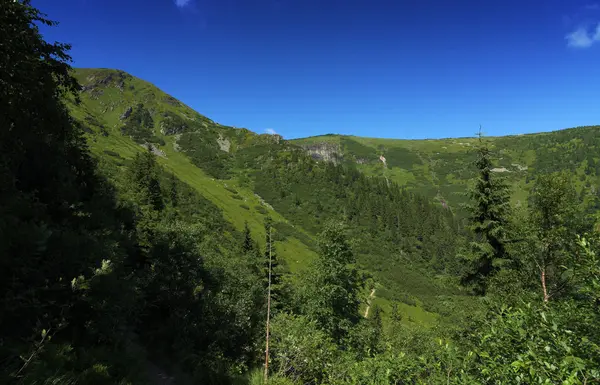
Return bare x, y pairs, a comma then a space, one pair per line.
143, 243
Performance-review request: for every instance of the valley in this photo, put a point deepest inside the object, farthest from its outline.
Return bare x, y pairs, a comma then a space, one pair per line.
143, 242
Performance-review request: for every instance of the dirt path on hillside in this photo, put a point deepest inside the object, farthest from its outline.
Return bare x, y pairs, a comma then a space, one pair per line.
369, 302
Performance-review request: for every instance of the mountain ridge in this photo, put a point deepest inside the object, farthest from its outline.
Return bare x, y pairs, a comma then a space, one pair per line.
242, 173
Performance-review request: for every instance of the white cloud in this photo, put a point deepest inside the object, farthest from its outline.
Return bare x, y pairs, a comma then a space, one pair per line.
270, 131
182, 3
583, 37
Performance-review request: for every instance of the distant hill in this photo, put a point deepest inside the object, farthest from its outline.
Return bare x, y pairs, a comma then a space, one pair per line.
441, 168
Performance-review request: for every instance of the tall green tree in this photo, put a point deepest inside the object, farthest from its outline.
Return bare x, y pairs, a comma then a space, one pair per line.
173, 190
489, 210
145, 180
556, 219
333, 284
57, 214
248, 243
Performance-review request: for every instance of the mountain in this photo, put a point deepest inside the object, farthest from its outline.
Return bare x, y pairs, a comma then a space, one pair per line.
249, 176
120, 113
402, 217
442, 168
141, 242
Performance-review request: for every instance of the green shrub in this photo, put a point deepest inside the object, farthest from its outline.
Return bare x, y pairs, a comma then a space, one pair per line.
139, 125
204, 152
231, 189
300, 350
112, 153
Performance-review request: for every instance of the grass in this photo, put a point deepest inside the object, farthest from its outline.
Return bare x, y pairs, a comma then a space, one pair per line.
112, 103
442, 167
439, 168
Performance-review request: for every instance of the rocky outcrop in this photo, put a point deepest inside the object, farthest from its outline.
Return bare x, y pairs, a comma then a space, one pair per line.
175, 144
126, 114
224, 143
96, 93
155, 150
329, 152
106, 79
173, 124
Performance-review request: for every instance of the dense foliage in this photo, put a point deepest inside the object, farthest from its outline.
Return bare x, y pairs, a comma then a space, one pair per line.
113, 271
107, 270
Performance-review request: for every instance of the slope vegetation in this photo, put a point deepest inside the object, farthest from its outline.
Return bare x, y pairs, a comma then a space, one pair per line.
121, 113
441, 168
403, 242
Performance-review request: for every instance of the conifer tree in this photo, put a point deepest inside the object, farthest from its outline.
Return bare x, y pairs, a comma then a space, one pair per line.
173, 192
144, 178
333, 285
488, 216
248, 244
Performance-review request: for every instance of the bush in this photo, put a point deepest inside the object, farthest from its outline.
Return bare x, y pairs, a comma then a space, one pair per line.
112, 153
261, 210
231, 189
139, 125
205, 153
157, 140
300, 350
245, 207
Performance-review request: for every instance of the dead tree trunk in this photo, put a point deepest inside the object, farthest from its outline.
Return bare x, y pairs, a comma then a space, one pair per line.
268, 313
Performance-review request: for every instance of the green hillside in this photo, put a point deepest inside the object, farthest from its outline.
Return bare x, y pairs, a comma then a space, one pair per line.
441, 168
108, 94
248, 176
303, 183
229, 166
143, 243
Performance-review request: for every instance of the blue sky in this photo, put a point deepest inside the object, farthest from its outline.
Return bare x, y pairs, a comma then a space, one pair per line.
380, 68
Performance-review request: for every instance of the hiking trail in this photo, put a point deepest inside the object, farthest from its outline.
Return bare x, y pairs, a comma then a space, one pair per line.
371, 296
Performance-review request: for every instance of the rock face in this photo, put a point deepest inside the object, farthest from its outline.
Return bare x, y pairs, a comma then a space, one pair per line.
155, 150
224, 143
329, 152
383, 160
173, 124
104, 79
171, 128
126, 114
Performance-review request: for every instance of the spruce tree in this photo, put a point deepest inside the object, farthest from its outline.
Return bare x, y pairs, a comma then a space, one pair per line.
248, 244
145, 181
173, 191
333, 284
489, 210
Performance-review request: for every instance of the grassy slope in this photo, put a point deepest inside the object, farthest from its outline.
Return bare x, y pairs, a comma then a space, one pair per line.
108, 107
442, 168
105, 109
